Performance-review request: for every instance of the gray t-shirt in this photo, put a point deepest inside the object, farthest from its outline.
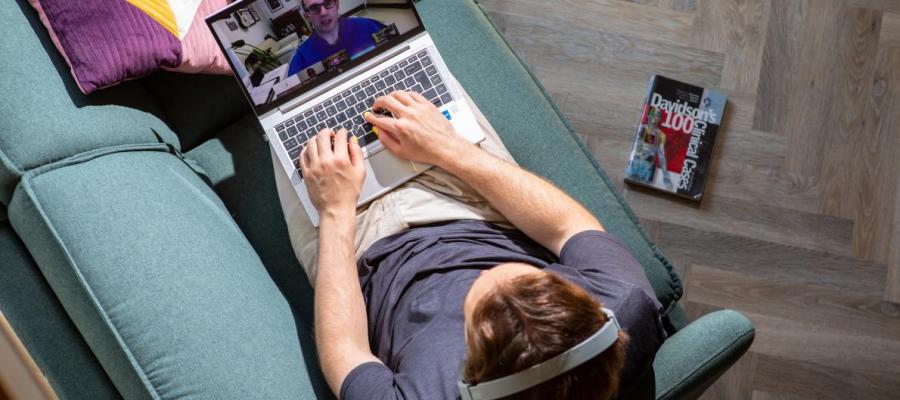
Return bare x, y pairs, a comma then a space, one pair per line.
414, 284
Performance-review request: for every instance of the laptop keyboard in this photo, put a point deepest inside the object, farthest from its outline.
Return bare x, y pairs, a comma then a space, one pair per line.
416, 73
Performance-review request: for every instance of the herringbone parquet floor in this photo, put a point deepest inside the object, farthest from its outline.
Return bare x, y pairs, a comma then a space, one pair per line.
800, 226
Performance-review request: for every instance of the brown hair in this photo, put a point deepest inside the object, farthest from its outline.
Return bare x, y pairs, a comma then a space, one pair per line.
532, 318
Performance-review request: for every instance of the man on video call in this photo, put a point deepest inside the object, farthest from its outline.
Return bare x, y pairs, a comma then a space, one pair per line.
475, 262
331, 34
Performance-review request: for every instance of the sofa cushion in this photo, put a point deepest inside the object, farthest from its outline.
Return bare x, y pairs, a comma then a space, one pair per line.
45, 117
525, 118
44, 328
159, 280
239, 166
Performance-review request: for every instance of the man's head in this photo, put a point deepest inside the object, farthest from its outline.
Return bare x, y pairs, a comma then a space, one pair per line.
322, 14
518, 316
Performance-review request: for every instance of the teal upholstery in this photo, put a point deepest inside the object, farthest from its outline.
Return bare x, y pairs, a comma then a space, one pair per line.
45, 116
41, 323
697, 355
239, 167
159, 280
156, 286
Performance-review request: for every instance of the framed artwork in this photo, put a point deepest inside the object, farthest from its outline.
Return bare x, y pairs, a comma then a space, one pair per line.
246, 17
274, 5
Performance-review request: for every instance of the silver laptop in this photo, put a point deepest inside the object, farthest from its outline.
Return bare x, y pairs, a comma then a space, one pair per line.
306, 65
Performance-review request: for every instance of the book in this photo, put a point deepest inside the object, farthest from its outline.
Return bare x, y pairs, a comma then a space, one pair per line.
675, 137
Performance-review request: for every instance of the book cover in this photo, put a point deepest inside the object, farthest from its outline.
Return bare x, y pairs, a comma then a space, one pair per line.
675, 137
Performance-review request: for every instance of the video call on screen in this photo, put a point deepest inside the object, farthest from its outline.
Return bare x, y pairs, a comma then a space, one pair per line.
279, 46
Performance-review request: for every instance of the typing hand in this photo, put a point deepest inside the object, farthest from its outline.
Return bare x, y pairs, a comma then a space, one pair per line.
333, 175
417, 131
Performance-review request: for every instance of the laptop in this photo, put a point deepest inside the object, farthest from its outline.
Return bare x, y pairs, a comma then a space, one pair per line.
307, 65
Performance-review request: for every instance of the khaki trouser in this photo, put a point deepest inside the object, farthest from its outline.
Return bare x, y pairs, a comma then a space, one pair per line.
434, 196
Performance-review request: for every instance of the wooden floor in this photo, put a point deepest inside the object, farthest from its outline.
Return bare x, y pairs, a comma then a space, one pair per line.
800, 226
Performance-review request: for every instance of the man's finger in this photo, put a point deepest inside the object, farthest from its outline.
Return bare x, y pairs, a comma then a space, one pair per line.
312, 152
381, 122
418, 97
340, 143
356, 155
389, 141
323, 142
403, 97
389, 103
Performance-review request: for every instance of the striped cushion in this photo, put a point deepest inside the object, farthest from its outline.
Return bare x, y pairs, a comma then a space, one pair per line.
107, 42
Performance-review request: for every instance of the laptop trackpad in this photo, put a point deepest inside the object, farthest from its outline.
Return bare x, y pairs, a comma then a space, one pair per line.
385, 171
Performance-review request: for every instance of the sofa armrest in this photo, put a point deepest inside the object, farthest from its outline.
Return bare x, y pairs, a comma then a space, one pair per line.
692, 359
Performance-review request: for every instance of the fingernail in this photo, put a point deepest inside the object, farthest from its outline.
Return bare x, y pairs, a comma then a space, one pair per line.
366, 114
376, 130
355, 139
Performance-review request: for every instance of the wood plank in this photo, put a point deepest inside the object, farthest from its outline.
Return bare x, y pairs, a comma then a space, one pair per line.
851, 313
820, 344
761, 395
674, 5
809, 381
777, 67
854, 139
736, 216
890, 30
813, 88
892, 291
768, 186
557, 45
797, 87
776, 261
618, 87
736, 383
635, 20
883, 5
880, 235
736, 28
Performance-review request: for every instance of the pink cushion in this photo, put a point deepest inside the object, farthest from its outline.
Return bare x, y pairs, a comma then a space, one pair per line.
200, 52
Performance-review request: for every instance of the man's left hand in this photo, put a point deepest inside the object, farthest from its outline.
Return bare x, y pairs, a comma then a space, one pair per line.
333, 175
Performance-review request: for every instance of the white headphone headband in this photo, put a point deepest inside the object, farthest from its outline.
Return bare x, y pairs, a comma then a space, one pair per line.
546, 370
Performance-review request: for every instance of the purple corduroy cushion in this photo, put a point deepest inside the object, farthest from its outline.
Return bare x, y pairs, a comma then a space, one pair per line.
106, 42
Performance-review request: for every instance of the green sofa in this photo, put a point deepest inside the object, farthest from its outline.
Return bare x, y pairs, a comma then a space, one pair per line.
143, 253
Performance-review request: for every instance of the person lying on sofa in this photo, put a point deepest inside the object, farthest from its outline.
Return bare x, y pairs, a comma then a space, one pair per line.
476, 262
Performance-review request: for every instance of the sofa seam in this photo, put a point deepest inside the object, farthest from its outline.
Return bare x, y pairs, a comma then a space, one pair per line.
676, 283
27, 187
92, 154
705, 362
8, 163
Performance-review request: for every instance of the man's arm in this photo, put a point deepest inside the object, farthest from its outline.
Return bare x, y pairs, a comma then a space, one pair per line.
333, 178
536, 207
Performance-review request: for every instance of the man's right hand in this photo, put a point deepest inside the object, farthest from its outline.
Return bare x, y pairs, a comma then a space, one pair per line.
418, 131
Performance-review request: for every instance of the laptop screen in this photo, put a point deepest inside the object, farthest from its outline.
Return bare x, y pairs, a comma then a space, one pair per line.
279, 49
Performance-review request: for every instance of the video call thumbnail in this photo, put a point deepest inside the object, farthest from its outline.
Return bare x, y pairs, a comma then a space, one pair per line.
279, 46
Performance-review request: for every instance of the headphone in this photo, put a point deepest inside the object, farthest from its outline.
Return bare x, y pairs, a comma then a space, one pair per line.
546, 370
